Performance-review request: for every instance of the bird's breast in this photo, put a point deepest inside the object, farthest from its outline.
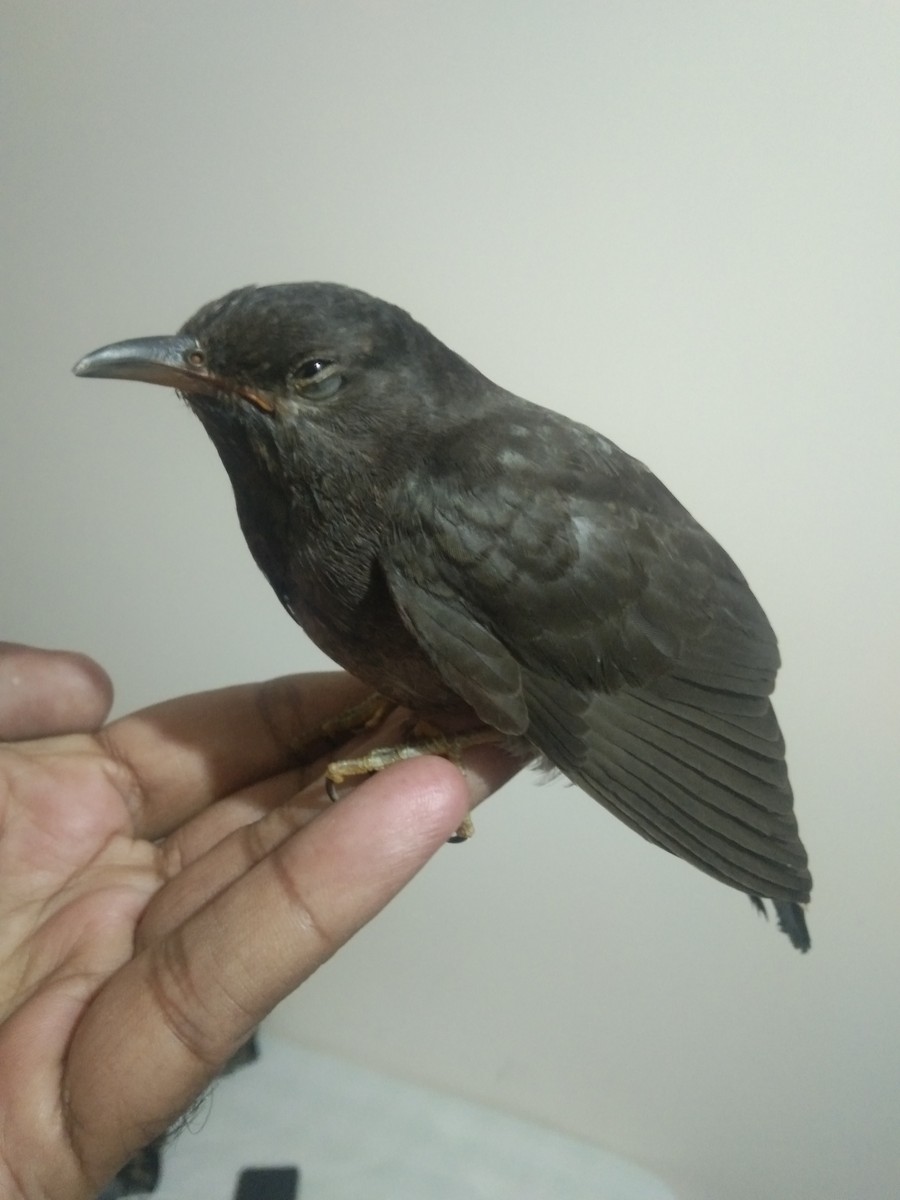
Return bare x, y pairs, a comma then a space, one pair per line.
319, 551
333, 587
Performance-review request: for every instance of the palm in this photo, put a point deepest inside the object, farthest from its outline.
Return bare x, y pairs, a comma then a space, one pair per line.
134, 862
75, 886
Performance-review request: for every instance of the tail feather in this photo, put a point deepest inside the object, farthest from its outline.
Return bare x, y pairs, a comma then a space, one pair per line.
791, 920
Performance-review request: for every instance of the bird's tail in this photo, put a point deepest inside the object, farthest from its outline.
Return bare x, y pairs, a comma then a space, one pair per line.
791, 920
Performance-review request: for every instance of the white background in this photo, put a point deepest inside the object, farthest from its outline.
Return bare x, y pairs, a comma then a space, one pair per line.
677, 222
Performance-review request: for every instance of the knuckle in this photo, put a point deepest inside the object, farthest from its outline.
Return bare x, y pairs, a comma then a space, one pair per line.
195, 1005
320, 940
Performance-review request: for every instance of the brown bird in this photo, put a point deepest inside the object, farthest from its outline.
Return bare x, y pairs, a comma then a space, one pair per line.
470, 554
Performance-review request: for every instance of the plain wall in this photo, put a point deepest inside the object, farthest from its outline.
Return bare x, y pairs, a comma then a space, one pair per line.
678, 223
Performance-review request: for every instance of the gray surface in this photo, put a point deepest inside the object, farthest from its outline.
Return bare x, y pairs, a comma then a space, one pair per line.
355, 1134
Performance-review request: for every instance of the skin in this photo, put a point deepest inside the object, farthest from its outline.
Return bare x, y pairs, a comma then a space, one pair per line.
165, 880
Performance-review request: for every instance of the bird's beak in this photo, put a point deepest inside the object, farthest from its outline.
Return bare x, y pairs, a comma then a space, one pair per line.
163, 360
176, 361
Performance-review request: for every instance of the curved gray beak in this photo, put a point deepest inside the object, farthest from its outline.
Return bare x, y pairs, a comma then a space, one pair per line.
163, 360
176, 361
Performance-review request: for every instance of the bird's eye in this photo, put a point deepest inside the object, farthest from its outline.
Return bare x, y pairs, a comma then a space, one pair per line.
318, 378
195, 358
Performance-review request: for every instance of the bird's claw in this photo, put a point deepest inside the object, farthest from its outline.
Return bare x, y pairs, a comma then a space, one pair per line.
443, 745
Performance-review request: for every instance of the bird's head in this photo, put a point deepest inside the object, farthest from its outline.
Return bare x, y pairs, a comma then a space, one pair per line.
287, 359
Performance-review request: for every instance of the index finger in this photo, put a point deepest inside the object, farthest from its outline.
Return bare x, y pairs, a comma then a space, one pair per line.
184, 754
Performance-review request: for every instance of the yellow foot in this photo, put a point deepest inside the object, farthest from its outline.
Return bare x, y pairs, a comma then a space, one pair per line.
465, 831
445, 745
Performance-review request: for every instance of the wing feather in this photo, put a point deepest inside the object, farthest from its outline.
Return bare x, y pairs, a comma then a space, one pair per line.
594, 615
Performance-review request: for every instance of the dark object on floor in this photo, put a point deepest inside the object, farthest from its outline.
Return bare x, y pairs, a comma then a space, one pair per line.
268, 1183
140, 1175
244, 1056
474, 555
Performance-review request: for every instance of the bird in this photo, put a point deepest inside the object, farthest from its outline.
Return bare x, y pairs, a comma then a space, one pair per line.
478, 558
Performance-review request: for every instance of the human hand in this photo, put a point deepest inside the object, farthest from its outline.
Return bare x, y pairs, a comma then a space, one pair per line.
163, 884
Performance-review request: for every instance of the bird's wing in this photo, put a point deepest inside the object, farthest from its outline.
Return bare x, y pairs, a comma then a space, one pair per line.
586, 610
